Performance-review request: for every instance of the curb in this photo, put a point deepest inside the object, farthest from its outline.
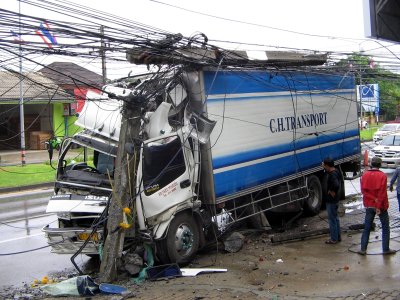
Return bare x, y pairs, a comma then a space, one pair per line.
26, 187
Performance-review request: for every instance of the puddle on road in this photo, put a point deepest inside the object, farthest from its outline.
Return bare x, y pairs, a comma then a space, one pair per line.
353, 204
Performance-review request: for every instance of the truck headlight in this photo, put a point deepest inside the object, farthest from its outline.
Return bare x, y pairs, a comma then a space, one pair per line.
397, 154
371, 153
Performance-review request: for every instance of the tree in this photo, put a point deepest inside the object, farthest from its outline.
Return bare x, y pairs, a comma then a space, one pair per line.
368, 72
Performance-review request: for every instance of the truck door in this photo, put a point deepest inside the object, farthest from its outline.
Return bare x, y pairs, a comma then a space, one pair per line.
165, 174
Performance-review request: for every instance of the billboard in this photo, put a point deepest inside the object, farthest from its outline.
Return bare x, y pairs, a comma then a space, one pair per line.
368, 96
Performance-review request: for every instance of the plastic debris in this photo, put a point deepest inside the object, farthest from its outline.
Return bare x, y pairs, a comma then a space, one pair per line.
107, 288
163, 272
76, 286
196, 271
149, 258
279, 260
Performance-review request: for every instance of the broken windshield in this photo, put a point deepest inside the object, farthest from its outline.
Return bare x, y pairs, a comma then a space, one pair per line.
163, 162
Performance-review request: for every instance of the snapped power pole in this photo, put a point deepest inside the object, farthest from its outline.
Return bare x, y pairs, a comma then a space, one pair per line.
123, 192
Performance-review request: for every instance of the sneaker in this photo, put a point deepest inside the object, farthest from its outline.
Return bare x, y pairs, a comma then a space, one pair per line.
362, 252
390, 251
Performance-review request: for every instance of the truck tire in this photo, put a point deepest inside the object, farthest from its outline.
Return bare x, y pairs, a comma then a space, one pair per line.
312, 204
182, 241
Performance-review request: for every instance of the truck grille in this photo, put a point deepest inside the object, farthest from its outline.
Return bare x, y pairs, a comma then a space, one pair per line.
385, 154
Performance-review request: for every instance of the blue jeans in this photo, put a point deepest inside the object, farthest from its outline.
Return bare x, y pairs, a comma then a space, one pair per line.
369, 219
333, 219
398, 199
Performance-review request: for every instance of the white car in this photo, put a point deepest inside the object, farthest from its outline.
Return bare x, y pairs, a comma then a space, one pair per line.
386, 130
388, 150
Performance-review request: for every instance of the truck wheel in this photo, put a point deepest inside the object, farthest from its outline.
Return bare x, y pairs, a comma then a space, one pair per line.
313, 203
182, 240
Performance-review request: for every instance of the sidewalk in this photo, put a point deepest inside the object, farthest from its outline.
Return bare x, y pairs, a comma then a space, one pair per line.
13, 157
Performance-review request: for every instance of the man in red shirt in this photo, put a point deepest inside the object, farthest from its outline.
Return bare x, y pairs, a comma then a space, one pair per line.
373, 188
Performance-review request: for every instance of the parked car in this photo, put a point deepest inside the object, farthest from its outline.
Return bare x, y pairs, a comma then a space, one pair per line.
385, 130
388, 150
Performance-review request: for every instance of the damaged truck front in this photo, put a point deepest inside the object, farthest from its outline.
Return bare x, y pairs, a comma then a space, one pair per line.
84, 181
216, 147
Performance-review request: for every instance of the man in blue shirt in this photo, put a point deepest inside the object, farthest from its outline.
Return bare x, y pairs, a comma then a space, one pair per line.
396, 175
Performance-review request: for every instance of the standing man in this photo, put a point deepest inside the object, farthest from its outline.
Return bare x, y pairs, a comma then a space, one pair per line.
331, 196
396, 176
373, 188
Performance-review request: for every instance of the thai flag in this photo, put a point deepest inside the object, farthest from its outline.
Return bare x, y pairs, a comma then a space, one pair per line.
48, 38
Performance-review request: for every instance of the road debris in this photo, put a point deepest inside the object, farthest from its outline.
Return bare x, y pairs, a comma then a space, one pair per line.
234, 242
75, 286
196, 271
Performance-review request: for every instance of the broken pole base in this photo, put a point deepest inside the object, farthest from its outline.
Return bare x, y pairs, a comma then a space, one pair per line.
108, 267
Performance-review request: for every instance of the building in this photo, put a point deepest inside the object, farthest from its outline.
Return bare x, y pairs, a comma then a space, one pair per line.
51, 97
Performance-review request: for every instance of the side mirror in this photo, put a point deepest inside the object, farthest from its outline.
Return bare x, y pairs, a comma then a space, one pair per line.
130, 148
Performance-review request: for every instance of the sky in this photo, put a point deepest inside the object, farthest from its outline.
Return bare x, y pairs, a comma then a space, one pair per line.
332, 26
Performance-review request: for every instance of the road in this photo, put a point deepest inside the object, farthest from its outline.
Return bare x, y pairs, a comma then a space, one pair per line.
21, 205
24, 255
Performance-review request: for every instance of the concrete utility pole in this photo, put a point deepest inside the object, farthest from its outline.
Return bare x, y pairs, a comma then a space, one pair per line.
103, 55
123, 194
21, 96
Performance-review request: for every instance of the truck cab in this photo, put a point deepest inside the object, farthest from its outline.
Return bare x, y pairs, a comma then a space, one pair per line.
82, 191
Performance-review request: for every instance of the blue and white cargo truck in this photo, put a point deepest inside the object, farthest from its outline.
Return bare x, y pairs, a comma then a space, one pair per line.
217, 147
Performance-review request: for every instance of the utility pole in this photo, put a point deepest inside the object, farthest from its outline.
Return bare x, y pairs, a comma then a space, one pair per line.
21, 96
103, 55
123, 192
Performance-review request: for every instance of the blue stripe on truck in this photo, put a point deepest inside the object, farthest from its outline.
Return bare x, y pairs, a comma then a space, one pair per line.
234, 180
267, 97
250, 155
232, 82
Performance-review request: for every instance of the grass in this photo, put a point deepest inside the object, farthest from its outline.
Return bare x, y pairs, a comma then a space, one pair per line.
14, 176
366, 134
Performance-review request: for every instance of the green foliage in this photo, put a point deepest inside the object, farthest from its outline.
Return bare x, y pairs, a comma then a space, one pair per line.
389, 83
12, 176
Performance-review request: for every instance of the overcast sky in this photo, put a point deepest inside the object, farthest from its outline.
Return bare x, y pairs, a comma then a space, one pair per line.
336, 26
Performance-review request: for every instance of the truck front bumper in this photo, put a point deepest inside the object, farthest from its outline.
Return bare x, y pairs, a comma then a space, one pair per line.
388, 162
69, 240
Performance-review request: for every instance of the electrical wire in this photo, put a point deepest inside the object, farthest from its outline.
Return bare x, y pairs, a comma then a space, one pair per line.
31, 250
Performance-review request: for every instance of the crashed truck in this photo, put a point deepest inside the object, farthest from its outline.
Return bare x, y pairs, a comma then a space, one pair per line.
218, 147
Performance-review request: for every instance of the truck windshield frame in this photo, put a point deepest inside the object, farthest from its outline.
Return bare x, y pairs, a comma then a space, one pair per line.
163, 162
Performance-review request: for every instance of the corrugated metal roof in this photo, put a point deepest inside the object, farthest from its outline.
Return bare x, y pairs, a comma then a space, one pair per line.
36, 88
